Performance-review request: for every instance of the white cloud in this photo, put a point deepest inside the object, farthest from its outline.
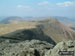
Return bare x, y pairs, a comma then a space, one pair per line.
19, 6
43, 3
65, 4
23, 6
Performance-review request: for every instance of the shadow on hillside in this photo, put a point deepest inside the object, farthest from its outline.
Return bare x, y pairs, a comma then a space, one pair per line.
22, 35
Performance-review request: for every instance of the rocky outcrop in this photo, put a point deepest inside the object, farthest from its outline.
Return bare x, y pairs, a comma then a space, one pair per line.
35, 48
25, 48
62, 46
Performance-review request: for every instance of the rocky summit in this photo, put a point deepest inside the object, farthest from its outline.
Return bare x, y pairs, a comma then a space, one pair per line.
25, 48
35, 48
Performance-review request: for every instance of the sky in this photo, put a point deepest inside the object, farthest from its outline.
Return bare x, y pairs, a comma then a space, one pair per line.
37, 8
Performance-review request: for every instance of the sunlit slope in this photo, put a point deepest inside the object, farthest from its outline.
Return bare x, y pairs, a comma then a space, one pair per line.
57, 31
49, 28
73, 34
7, 28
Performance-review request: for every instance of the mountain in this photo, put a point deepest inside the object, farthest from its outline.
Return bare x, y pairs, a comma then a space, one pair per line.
19, 37
16, 19
66, 21
56, 30
49, 30
10, 19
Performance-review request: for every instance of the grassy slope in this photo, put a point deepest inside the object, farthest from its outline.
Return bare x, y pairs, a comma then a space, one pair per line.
57, 31
7, 28
51, 27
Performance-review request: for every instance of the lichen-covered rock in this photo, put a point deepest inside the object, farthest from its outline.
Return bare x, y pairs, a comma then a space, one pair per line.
62, 46
25, 48
35, 48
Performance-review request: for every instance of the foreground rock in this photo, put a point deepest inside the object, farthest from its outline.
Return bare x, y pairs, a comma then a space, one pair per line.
25, 48
62, 46
35, 48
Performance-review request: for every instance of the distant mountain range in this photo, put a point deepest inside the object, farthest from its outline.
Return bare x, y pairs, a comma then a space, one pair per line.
70, 22
10, 19
64, 20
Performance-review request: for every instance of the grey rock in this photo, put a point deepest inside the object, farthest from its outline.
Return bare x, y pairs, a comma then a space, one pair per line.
25, 48
67, 45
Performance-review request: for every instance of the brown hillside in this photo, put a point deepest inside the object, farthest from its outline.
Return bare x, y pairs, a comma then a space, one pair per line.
50, 30
56, 30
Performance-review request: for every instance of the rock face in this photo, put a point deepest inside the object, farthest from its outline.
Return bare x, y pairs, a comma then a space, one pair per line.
62, 46
25, 48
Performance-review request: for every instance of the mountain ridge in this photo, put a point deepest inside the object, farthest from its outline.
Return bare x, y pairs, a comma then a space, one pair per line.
49, 29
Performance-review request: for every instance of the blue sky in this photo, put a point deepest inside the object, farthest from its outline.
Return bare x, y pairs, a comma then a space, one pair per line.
37, 8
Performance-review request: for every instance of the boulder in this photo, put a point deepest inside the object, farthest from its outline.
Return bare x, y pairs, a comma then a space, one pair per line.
64, 46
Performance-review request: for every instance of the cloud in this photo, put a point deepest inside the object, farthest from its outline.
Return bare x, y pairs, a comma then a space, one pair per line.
23, 6
43, 3
65, 4
19, 6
